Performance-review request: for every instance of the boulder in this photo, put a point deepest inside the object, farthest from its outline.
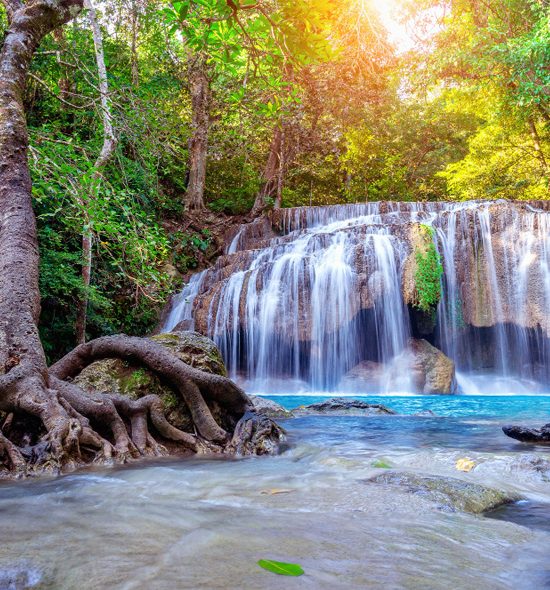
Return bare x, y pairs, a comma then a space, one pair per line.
118, 376
343, 407
449, 493
539, 436
365, 376
269, 408
432, 371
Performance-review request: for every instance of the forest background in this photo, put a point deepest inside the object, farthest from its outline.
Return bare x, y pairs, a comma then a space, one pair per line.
154, 126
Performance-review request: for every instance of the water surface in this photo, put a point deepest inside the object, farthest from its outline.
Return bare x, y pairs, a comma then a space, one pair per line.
202, 523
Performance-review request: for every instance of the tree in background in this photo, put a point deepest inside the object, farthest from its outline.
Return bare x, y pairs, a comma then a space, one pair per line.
495, 56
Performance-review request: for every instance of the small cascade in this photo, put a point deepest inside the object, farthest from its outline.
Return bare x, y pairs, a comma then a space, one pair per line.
314, 298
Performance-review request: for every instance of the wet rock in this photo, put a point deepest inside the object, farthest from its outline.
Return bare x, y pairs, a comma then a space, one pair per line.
433, 372
426, 414
448, 492
256, 434
343, 407
529, 435
269, 408
420, 241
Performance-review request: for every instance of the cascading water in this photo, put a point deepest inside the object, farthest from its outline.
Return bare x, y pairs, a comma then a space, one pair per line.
302, 303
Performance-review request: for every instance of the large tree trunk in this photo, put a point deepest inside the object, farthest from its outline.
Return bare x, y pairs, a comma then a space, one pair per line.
106, 153
199, 85
24, 385
61, 428
270, 192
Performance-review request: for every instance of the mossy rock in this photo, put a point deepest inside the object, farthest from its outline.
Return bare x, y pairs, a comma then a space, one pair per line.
449, 493
118, 376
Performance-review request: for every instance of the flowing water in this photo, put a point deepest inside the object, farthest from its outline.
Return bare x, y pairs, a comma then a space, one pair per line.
202, 523
298, 311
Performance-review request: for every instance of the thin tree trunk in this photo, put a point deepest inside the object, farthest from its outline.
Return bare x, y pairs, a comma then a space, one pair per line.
198, 143
135, 23
107, 150
537, 146
272, 177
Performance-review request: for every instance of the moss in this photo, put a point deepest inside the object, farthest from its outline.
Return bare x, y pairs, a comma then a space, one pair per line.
429, 271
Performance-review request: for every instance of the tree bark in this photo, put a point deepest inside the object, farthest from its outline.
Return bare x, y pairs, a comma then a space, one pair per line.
273, 174
106, 153
199, 85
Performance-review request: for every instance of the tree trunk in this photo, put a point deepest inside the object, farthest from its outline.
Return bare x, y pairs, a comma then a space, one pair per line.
107, 150
272, 178
198, 143
61, 434
133, 49
537, 146
24, 384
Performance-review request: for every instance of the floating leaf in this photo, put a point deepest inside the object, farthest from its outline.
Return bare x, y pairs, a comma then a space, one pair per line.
381, 465
274, 491
465, 465
281, 568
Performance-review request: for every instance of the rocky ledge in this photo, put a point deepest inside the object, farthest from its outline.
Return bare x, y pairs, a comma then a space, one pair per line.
448, 493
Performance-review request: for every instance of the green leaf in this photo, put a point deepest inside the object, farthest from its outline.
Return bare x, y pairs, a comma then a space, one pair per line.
381, 465
281, 568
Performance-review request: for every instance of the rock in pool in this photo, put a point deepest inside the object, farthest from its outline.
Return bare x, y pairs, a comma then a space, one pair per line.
448, 492
540, 436
343, 407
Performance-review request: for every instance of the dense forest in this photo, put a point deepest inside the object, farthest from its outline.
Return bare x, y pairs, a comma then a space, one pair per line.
153, 124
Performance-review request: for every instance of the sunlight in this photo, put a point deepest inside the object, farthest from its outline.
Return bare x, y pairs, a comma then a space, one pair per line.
399, 34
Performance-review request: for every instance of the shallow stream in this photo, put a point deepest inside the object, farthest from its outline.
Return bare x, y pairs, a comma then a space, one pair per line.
203, 523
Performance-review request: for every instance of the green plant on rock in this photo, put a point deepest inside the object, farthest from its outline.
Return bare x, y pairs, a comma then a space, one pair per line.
428, 273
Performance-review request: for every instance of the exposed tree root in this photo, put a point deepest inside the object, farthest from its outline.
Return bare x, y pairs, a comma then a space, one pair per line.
81, 426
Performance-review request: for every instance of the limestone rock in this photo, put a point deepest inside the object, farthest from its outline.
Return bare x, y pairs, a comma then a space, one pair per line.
448, 492
433, 372
343, 407
256, 434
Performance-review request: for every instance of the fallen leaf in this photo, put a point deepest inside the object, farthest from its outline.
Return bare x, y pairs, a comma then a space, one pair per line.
381, 465
274, 491
281, 568
465, 465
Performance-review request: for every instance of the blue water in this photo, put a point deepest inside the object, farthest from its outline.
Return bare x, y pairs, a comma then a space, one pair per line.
505, 407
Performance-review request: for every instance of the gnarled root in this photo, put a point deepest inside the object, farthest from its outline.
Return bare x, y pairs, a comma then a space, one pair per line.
193, 385
82, 426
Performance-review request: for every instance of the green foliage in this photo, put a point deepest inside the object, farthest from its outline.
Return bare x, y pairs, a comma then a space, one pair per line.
281, 568
429, 271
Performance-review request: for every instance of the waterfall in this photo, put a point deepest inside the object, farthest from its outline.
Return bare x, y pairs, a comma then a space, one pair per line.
315, 296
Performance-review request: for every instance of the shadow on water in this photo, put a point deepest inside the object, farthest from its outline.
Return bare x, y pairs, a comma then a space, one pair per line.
527, 513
